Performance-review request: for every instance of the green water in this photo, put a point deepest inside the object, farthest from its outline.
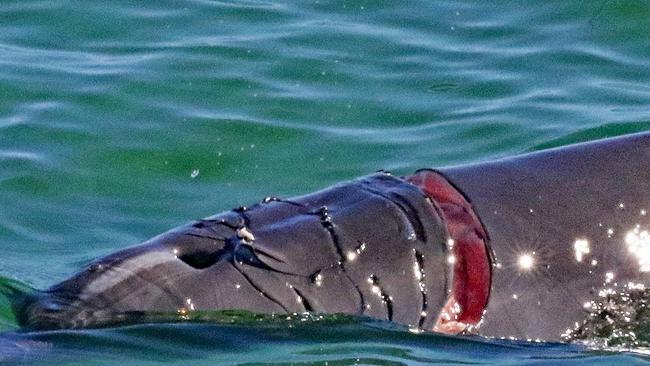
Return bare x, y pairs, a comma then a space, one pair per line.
107, 110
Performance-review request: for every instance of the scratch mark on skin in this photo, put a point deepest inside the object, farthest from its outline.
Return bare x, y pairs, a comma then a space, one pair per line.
243, 241
326, 221
241, 211
418, 267
256, 286
243, 232
256, 250
385, 298
206, 223
405, 208
277, 199
206, 237
303, 300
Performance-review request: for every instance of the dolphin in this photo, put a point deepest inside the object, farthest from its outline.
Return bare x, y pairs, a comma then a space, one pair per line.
517, 247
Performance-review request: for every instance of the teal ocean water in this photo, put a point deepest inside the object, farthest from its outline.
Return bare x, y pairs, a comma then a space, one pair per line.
122, 119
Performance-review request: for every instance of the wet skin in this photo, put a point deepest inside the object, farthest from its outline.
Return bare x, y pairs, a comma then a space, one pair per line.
563, 224
374, 246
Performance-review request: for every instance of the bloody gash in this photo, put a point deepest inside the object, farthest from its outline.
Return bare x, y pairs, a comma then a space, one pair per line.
515, 247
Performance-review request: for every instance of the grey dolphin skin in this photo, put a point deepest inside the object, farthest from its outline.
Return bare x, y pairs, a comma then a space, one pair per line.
515, 247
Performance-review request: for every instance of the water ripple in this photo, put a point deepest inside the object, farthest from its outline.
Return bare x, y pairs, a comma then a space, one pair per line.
106, 109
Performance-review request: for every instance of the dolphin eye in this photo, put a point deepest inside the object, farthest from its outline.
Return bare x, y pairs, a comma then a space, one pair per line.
199, 259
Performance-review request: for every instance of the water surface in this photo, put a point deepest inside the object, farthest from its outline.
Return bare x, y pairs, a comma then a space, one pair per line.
122, 119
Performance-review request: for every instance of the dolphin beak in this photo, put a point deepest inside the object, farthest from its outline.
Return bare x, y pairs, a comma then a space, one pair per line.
109, 291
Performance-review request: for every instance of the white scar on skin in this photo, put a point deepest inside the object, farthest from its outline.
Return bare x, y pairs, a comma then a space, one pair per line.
126, 269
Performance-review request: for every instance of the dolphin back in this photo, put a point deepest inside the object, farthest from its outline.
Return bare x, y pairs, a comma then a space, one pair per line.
576, 216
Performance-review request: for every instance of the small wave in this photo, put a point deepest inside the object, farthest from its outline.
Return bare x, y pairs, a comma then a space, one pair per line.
254, 340
594, 133
10, 291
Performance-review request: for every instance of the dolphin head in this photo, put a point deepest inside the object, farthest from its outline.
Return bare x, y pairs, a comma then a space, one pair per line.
374, 247
157, 276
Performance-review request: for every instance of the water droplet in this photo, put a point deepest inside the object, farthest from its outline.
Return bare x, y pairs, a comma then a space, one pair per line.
581, 248
638, 244
526, 262
351, 256
317, 279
